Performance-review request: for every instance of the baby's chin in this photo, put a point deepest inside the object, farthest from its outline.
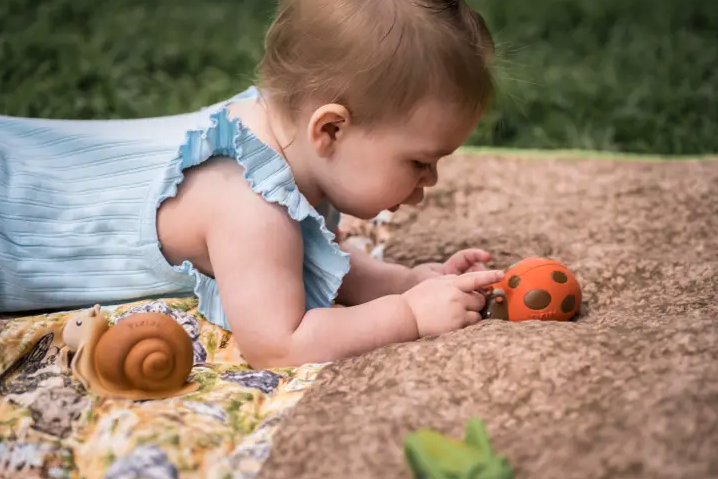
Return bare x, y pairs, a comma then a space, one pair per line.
372, 215
369, 215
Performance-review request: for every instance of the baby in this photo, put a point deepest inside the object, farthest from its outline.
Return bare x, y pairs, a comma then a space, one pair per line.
237, 203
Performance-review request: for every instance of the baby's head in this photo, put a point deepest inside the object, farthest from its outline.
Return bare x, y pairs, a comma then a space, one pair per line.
376, 92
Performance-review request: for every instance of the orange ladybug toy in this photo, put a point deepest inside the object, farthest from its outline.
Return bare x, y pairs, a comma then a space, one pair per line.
534, 289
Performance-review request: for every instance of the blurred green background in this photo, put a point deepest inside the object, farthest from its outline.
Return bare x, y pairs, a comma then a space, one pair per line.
614, 75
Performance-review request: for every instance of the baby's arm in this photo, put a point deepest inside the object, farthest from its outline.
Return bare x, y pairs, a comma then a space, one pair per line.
369, 278
256, 254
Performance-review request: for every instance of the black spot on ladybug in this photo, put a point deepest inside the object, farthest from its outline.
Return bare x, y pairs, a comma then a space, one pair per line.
568, 303
514, 281
559, 277
537, 299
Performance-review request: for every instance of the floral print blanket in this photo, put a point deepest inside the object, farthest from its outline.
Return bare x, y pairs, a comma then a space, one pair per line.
50, 427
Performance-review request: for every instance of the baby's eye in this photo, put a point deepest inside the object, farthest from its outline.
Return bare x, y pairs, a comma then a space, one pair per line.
421, 166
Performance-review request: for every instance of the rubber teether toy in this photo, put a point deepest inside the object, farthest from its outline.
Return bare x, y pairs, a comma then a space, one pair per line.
432, 455
144, 356
534, 289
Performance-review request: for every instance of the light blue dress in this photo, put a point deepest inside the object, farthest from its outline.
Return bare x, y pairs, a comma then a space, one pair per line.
78, 205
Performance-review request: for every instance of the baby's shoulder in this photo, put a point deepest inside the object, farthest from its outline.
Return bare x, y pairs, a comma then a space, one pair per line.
215, 199
219, 191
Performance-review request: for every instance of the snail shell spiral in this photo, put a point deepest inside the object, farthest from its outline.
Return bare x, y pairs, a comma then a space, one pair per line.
146, 352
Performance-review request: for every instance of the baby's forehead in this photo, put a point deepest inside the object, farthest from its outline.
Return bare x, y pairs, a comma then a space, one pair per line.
435, 127
432, 112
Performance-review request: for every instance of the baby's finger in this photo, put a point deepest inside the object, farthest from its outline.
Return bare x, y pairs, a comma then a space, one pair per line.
477, 267
469, 282
462, 261
472, 317
474, 301
473, 255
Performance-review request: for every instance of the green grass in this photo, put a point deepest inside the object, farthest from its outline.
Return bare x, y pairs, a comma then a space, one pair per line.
635, 76
607, 75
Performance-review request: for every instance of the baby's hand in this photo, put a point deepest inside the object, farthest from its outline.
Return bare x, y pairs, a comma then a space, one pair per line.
467, 261
449, 302
464, 261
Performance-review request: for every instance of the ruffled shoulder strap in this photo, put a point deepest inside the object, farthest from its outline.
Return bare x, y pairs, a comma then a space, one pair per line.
270, 176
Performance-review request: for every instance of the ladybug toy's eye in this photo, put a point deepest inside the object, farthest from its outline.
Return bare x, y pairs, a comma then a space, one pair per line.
78, 322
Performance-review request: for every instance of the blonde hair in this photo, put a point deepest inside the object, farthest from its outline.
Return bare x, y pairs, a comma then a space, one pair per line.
378, 58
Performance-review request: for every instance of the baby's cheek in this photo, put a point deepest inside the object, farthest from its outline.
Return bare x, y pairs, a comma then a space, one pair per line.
386, 190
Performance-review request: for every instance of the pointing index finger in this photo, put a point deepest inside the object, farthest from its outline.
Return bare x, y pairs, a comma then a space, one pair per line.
469, 282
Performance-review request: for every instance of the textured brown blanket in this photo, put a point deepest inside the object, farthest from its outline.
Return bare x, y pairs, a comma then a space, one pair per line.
629, 390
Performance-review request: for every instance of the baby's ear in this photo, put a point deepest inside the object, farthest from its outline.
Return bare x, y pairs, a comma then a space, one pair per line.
328, 125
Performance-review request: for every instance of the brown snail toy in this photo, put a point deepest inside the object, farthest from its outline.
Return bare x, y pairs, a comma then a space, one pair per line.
145, 356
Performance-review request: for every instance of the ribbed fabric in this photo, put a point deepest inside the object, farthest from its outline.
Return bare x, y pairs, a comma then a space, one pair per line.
78, 204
